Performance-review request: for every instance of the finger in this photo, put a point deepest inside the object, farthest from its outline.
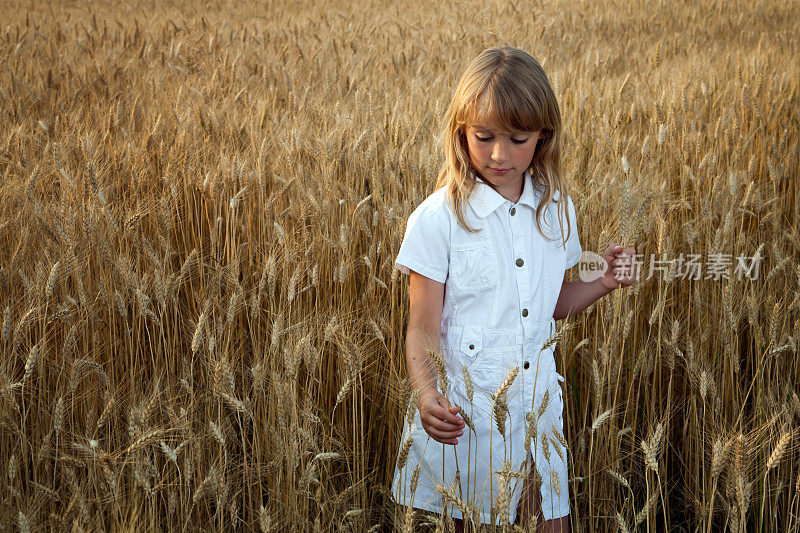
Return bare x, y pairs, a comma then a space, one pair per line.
444, 440
442, 425
444, 435
443, 414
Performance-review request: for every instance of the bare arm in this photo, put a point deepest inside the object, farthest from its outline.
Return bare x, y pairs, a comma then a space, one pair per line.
424, 329
620, 270
577, 295
438, 417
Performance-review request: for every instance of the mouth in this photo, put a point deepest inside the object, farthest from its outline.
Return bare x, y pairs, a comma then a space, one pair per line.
500, 170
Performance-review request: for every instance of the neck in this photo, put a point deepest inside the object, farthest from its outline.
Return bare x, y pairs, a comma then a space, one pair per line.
509, 191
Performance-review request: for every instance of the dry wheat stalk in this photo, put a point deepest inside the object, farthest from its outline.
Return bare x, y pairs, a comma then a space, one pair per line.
145, 440
649, 456
555, 482
415, 478
23, 522
449, 497
348, 385
499, 409
619, 478
499, 406
719, 457
52, 279
22, 326
530, 430
468, 387
264, 520
600, 419
30, 363
436, 357
652, 498
466, 417
597, 381
197, 339
376, 330
6, 323
544, 403
408, 519
207, 485
402, 457
502, 500
623, 526
780, 448
58, 414
544, 442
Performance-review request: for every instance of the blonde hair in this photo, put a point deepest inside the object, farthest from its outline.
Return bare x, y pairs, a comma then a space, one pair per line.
510, 86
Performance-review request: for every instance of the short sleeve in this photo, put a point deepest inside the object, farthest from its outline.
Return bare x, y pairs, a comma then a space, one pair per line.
426, 244
574, 249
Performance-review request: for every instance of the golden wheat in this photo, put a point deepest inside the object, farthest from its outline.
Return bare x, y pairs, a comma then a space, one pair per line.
189, 196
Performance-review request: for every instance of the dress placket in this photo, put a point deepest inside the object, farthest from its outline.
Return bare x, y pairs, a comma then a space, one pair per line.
521, 270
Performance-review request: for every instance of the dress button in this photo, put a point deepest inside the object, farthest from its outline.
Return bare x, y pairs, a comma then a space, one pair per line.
520, 262
471, 346
513, 211
525, 365
524, 312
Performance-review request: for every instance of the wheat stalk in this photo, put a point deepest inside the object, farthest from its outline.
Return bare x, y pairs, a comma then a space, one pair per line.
450, 497
623, 526
30, 362
652, 498
23, 522
619, 478
600, 419
544, 403
780, 448
402, 457
58, 415
467, 384
52, 279
437, 358
6, 323
197, 339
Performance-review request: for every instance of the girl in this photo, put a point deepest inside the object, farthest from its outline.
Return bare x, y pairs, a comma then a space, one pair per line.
486, 285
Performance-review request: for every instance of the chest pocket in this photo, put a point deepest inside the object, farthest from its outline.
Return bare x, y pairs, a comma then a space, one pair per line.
474, 267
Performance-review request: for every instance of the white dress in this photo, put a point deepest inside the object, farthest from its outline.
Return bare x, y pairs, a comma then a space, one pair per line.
501, 287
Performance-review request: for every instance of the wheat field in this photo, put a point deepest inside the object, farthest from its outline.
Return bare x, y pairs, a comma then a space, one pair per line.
201, 203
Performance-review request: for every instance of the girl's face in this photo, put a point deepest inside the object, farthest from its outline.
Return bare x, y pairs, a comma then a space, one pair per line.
500, 157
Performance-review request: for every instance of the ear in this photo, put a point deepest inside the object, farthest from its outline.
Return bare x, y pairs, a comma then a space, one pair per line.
545, 136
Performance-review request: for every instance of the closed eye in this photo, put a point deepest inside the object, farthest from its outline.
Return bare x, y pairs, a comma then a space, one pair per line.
515, 141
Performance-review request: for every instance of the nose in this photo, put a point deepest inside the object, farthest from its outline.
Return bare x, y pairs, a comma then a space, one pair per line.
499, 152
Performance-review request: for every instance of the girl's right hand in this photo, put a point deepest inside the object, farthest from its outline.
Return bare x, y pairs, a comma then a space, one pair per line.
439, 418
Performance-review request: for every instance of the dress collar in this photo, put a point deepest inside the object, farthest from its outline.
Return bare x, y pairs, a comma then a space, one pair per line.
485, 200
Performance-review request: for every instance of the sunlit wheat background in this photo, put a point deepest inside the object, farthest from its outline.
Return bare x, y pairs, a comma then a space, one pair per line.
200, 206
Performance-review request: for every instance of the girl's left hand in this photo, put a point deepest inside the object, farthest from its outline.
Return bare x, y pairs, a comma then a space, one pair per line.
620, 266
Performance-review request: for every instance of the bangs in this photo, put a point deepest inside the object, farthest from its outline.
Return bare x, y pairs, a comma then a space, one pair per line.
511, 113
